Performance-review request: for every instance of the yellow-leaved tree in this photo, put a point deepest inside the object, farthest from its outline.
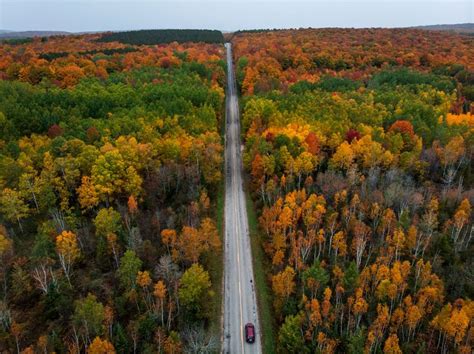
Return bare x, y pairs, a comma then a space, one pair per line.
68, 251
99, 346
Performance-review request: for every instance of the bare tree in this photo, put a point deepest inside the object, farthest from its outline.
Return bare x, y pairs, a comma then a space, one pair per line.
198, 341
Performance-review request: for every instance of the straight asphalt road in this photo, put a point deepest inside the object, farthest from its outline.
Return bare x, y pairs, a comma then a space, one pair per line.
240, 305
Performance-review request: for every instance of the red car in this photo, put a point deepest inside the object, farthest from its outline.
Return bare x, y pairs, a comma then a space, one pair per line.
249, 333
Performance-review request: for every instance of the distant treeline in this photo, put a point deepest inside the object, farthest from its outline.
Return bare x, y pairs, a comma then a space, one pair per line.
258, 30
52, 56
149, 37
16, 41
465, 28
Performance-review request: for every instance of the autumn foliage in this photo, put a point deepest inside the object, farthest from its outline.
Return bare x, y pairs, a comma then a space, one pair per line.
358, 148
110, 162
362, 184
277, 59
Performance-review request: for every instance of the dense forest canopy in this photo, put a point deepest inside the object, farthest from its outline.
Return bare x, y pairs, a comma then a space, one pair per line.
110, 167
150, 37
278, 59
359, 147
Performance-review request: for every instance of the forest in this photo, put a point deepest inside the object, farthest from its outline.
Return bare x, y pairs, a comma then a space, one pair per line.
358, 147
358, 154
110, 171
150, 37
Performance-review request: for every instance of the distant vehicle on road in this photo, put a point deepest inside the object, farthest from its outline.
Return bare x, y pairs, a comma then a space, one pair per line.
249, 333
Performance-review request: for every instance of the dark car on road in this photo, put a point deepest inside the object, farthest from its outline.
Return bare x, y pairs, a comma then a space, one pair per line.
249, 333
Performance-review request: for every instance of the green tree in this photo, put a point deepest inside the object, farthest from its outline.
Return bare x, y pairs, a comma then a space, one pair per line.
6, 126
290, 336
12, 206
351, 277
315, 278
130, 264
43, 247
356, 342
107, 225
121, 341
89, 316
193, 286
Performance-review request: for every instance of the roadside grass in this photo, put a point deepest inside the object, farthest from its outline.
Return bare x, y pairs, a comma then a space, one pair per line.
215, 263
264, 298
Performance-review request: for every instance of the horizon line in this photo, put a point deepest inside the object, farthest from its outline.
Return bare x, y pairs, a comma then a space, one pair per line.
5, 30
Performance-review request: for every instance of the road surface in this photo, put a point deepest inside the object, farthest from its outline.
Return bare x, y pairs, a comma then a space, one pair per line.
240, 305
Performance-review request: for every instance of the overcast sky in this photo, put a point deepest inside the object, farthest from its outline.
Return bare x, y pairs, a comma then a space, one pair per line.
99, 15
